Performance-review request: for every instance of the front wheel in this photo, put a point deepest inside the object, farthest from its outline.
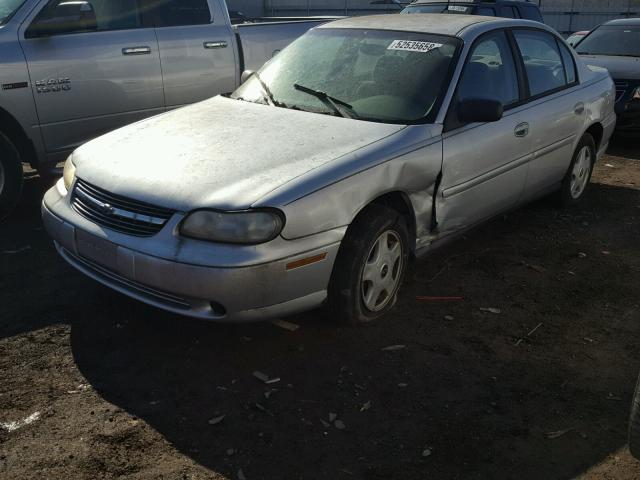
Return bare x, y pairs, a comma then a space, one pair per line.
370, 266
576, 180
634, 423
10, 176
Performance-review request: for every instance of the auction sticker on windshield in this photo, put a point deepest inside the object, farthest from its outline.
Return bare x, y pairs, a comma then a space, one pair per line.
413, 46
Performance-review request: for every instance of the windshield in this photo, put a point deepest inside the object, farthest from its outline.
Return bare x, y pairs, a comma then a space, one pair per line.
8, 8
612, 40
375, 75
442, 8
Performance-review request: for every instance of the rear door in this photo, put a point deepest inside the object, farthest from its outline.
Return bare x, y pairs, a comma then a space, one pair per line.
556, 111
484, 164
196, 50
94, 66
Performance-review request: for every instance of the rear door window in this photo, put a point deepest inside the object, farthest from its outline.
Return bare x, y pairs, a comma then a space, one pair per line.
173, 13
542, 60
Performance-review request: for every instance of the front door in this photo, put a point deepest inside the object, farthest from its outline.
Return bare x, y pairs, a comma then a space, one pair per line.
94, 66
196, 50
484, 164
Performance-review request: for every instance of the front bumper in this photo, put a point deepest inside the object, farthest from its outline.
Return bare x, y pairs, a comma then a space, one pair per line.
247, 292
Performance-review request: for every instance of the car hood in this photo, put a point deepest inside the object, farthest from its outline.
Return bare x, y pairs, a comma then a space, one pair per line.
620, 68
220, 153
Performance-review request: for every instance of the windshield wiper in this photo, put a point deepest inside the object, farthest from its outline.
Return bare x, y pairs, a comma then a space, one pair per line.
268, 95
332, 102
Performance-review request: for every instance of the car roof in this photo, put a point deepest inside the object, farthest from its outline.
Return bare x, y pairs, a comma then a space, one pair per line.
630, 22
419, 22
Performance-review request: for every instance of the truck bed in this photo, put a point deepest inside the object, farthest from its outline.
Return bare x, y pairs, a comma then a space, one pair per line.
263, 39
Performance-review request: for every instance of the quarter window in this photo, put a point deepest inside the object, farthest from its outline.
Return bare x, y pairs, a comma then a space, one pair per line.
173, 13
569, 65
490, 71
542, 61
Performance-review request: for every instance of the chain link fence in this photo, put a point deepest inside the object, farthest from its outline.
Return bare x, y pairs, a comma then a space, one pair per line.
566, 16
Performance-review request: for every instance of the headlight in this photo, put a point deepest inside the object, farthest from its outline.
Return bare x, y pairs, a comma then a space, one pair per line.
69, 173
250, 227
636, 94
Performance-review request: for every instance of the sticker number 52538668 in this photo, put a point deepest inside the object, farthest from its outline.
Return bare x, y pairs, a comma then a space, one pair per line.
413, 46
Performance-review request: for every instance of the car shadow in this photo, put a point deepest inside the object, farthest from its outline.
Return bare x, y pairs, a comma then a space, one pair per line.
536, 387
28, 268
624, 146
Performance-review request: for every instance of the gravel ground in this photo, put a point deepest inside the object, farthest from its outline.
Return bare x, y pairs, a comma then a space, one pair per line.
100, 386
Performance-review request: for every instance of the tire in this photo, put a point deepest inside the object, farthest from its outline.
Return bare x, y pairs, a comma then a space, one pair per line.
371, 241
10, 176
634, 423
576, 181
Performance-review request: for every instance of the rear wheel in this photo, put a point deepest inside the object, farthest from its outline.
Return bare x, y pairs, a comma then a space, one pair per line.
576, 180
10, 176
370, 267
634, 423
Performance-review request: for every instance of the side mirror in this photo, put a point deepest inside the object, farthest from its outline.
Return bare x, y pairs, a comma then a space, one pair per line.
246, 75
64, 16
479, 110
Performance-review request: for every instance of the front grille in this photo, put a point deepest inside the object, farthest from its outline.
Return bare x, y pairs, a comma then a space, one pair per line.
115, 279
116, 212
621, 89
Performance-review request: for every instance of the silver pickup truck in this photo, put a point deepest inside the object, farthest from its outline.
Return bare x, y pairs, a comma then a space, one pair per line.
71, 70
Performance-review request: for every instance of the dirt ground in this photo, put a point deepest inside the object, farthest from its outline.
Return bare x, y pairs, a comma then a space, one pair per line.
116, 389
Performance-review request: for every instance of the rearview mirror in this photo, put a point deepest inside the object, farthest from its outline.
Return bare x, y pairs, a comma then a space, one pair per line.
479, 110
64, 16
246, 75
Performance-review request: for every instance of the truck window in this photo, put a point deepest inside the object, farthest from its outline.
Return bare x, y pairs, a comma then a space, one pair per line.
530, 13
63, 17
509, 12
173, 13
486, 11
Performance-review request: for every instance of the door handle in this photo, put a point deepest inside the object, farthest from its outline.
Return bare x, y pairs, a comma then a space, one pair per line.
218, 44
579, 108
521, 130
136, 51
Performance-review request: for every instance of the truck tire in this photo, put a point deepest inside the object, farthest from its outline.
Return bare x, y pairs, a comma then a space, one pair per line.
634, 423
370, 266
576, 180
10, 176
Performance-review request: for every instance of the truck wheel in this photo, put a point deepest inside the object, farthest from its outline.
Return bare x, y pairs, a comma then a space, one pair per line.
10, 176
634, 423
576, 180
370, 266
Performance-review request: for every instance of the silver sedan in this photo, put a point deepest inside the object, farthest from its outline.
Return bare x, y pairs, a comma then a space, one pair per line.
366, 143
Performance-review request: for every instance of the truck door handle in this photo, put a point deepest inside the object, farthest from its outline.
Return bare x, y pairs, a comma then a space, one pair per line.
136, 51
579, 108
521, 130
218, 44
